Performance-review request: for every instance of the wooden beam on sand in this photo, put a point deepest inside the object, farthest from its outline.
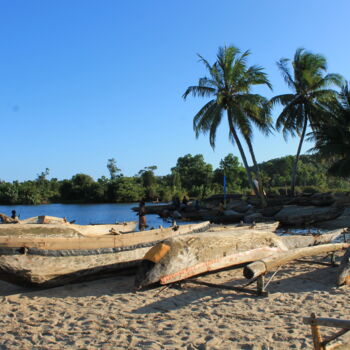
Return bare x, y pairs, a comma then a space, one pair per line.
264, 265
315, 323
344, 269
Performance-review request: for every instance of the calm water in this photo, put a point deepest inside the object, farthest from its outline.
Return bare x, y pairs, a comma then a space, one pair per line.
84, 213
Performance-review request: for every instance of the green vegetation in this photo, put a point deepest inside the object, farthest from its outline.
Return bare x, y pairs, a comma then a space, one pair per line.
191, 176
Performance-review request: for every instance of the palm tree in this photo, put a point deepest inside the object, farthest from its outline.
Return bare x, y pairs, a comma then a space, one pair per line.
229, 83
332, 137
310, 86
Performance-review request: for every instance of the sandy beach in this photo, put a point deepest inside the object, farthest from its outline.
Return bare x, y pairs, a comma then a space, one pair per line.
108, 314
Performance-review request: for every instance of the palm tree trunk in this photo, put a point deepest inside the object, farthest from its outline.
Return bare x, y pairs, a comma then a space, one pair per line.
240, 148
295, 164
257, 172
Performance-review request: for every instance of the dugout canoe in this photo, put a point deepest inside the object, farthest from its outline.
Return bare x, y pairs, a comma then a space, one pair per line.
178, 258
51, 261
50, 226
271, 226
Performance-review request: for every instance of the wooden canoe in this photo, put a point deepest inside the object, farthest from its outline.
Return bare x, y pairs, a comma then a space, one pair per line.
263, 226
49, 226
182, 257
50, 261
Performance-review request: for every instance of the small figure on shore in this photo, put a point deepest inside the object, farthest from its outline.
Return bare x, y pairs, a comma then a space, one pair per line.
142, 216
14, 215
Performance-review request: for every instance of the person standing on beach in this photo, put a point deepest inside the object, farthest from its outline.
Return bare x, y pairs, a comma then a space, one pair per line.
14, 215
142, 216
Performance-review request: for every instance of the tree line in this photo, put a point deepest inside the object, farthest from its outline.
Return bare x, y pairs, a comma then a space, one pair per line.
191, 177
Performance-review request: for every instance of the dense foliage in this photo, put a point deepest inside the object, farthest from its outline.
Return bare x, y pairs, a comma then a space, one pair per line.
191, 176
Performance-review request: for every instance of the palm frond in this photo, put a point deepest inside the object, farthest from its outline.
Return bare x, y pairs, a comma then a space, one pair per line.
201, 91
284, 100
257, 110
282, 65
202, 112
205, 62
216, 119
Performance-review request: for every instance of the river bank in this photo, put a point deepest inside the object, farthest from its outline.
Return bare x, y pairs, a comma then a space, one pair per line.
320, 210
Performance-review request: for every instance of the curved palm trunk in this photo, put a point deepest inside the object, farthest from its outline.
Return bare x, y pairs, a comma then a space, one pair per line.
244, 159
295, 164
257, 172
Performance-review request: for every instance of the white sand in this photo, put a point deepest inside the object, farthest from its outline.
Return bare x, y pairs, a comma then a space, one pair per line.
107, 314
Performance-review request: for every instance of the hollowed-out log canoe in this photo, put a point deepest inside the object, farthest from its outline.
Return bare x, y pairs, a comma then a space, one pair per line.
51, 261
182, 257
48, 226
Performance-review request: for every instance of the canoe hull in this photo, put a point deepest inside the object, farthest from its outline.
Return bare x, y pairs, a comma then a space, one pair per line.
64, 229
48, 271
48, 261
189, 255
185, 256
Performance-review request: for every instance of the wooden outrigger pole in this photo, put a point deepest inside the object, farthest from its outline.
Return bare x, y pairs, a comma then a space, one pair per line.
262, 266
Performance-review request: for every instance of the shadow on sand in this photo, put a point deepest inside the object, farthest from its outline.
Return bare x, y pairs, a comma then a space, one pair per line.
293, 278
319, 279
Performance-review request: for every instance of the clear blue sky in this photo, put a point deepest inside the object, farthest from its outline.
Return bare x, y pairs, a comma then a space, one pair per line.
83, 81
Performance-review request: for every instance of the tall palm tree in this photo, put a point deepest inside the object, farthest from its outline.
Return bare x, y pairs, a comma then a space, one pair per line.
332, 137
229, 83
310, 88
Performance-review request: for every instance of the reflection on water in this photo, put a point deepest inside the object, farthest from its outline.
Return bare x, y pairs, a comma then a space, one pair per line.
85, 214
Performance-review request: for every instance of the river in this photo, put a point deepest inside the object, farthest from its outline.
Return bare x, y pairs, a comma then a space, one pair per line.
85, 214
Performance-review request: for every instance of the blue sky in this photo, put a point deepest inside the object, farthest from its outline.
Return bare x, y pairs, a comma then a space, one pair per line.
83, 81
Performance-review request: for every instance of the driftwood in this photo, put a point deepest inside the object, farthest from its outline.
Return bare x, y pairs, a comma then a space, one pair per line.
315, 323
264, 265
344, 269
